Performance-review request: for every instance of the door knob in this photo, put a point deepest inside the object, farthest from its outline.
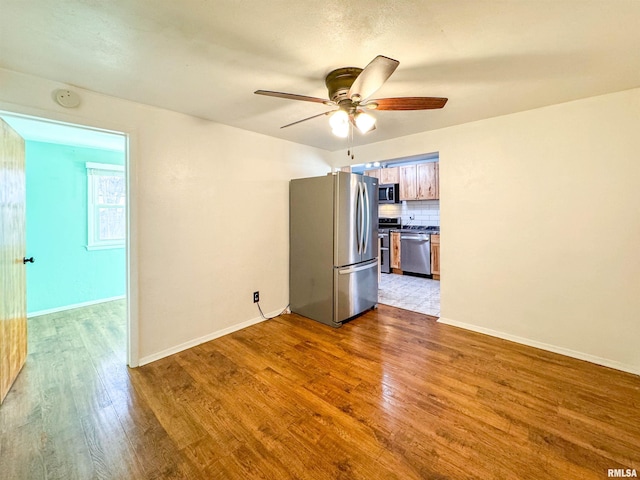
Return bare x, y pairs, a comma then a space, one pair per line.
26, 260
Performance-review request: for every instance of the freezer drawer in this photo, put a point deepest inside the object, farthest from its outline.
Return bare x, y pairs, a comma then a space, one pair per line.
356, 289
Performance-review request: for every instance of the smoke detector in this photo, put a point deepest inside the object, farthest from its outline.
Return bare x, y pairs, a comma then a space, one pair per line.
66, 98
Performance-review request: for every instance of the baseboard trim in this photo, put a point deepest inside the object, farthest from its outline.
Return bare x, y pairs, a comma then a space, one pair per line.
206, 338
605, 362
75, 305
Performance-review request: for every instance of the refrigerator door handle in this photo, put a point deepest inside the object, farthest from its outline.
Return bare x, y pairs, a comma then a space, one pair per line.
358, 219
367, 210
347, 271
364, 216
361, 218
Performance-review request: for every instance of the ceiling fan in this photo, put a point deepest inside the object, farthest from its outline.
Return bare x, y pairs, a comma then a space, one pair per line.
350, 89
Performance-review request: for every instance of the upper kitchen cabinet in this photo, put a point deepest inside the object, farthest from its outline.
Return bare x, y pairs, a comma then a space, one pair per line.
428, 188
408, 183
419, 182
389, 175
373, 173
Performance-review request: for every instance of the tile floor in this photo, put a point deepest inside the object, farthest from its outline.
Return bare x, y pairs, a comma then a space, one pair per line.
411, 293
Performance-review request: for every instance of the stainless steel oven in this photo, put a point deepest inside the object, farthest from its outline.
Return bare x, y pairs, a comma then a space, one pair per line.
385, 226
385, 258
389, 193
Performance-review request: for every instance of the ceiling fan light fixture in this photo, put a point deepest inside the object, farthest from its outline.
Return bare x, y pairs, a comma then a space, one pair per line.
364, 121
338, 119
341, 131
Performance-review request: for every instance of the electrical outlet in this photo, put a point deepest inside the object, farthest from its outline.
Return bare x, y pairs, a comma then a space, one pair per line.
256, 297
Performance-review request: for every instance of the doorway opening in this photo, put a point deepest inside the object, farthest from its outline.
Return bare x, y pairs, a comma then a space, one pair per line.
77, 211
409, 231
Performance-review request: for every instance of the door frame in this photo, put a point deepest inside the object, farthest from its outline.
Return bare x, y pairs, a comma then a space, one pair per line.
131, 251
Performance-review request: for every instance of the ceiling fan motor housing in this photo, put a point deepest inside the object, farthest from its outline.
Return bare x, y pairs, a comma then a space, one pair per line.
339, 82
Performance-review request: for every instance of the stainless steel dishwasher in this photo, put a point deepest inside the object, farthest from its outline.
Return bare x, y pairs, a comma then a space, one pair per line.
416, 252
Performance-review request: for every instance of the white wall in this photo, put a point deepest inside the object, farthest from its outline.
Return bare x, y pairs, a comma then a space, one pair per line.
209, 213
540, 218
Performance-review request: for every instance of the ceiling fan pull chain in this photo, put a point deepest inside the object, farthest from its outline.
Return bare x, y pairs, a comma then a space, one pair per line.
350, 150
353, 148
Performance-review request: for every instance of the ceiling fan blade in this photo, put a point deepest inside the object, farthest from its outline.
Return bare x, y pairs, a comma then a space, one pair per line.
293, 96
407, 103
372, 77
308, 118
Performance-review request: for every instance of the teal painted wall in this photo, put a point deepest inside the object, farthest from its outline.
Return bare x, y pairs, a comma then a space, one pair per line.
65, 272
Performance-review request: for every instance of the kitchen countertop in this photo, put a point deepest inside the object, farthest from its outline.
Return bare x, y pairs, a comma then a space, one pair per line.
410, 230
426, 232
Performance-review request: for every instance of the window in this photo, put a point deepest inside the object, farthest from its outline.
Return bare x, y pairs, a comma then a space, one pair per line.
106, 206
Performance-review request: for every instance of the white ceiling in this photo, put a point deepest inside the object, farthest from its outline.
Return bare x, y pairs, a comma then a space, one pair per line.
207, 57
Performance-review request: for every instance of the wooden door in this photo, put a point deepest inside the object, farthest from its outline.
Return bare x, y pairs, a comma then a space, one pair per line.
408, 190
427, 184
13, 303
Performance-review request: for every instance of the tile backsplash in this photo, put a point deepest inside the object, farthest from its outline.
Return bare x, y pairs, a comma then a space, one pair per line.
425, 212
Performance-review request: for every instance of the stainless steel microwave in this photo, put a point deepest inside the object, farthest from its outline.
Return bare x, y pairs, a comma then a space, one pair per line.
389, 193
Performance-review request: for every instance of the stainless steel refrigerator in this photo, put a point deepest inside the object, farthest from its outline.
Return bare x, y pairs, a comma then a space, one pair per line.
333, 264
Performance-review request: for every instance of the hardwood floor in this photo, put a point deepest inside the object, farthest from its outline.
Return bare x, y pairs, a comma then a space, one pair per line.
393, 394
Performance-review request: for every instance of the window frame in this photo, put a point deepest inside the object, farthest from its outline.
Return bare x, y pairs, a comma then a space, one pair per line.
94, 171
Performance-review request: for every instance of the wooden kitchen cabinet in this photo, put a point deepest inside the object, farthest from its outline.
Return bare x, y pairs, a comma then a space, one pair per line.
373, 173
408, 183
420, 181
435, 256
395, 250
427, 178
389, 175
